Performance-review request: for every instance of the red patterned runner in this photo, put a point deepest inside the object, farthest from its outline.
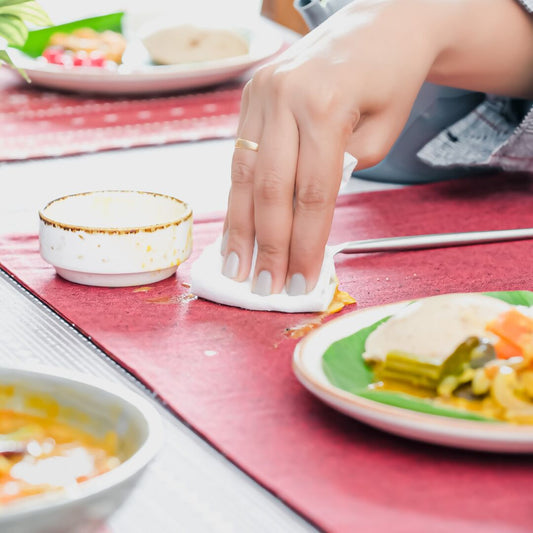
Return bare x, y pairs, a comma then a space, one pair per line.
227, 372
38, 123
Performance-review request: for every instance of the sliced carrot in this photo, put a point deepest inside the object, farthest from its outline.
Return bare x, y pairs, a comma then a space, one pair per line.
505, 350
515, 329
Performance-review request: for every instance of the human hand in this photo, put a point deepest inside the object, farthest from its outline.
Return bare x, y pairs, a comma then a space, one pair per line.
347, 86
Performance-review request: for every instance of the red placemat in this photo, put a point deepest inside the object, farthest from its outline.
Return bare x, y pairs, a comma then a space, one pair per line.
227, 372
38, 123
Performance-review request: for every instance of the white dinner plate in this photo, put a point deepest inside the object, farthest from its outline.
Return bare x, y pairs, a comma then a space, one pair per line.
137, 76
448, 431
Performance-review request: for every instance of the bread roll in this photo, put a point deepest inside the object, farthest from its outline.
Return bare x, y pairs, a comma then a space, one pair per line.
188, 44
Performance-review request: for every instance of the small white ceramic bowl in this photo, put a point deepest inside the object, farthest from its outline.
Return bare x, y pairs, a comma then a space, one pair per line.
115, 238
95, 407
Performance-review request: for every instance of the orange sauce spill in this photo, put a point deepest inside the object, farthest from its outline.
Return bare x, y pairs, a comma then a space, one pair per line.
339, 301
176, 299
142, 289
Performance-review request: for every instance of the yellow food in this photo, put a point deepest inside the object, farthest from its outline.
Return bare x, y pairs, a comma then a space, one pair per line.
467, 351
109, 43
39, 454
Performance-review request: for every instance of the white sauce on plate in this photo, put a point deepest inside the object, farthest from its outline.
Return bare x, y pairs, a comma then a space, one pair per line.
434, 327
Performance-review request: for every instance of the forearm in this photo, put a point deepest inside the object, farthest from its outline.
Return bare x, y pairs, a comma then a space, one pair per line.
489, 48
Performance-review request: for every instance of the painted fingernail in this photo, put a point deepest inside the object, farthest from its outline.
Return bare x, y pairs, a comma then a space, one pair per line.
224, 243
297, 285
231, 266
263, 283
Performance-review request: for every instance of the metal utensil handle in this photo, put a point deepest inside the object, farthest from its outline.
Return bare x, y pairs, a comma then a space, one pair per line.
436, 240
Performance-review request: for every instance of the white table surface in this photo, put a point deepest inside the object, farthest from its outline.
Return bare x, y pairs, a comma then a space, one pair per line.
197, 172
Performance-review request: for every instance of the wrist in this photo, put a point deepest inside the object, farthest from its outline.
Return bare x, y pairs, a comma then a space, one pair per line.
426, 29
489, 48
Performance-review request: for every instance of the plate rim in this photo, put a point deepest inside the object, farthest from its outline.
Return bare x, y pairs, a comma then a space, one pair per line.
47, 74
438, 429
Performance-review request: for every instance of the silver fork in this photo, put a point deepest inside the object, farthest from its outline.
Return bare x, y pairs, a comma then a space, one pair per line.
434, 240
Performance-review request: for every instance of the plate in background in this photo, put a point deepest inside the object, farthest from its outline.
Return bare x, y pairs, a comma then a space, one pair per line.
136, 76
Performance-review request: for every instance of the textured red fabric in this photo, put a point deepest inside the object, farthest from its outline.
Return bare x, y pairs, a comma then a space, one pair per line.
38, 123
227, 372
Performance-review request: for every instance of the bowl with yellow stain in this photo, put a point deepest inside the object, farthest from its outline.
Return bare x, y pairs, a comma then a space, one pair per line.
115, 238
71, 449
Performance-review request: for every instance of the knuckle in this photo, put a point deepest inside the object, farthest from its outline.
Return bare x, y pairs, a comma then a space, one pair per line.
271, 186
279, 84
241, 172
270, 250
312, 197
261, 77
283, 84
237, 234
323, 106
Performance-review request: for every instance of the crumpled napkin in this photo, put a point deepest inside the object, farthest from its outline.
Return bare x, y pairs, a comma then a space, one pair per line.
208, 282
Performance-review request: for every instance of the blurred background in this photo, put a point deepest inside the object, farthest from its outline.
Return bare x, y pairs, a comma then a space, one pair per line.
281, 11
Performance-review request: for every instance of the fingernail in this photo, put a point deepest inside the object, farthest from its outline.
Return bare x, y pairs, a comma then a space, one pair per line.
263, 283
297, 285
231, 266
224, 243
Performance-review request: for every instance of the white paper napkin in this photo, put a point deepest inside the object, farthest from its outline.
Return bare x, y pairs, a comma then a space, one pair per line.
207, 281
348, 165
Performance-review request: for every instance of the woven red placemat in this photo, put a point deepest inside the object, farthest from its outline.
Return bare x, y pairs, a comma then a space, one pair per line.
227, 372
40, 123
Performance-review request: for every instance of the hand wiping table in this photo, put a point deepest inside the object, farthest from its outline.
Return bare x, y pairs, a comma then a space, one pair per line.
208, 282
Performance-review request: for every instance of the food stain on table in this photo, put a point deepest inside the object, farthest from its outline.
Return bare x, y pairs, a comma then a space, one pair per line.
340, 300
142, 289
173, 299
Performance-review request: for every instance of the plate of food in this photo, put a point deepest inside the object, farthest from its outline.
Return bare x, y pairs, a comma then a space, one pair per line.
453, 369
102, 55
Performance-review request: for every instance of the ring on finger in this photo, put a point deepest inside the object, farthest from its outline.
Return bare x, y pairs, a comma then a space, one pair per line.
245, 144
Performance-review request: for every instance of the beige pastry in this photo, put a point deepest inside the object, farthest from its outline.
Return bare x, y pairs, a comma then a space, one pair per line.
188, 43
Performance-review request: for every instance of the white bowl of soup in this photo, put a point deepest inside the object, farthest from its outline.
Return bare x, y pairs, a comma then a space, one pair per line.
71, 449
115, 238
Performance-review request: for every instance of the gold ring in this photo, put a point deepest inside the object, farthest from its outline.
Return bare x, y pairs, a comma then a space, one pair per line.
245, 144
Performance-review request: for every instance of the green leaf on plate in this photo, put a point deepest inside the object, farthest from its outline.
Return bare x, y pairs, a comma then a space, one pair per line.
4, 57
345, 368
514, 297
345, 371
29, 11
38, 39
5, 3
13, 29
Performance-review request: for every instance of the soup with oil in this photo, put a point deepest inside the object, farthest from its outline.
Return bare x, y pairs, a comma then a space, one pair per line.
40, 454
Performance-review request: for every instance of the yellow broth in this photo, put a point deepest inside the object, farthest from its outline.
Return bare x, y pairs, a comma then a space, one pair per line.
484, 406
40, 454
